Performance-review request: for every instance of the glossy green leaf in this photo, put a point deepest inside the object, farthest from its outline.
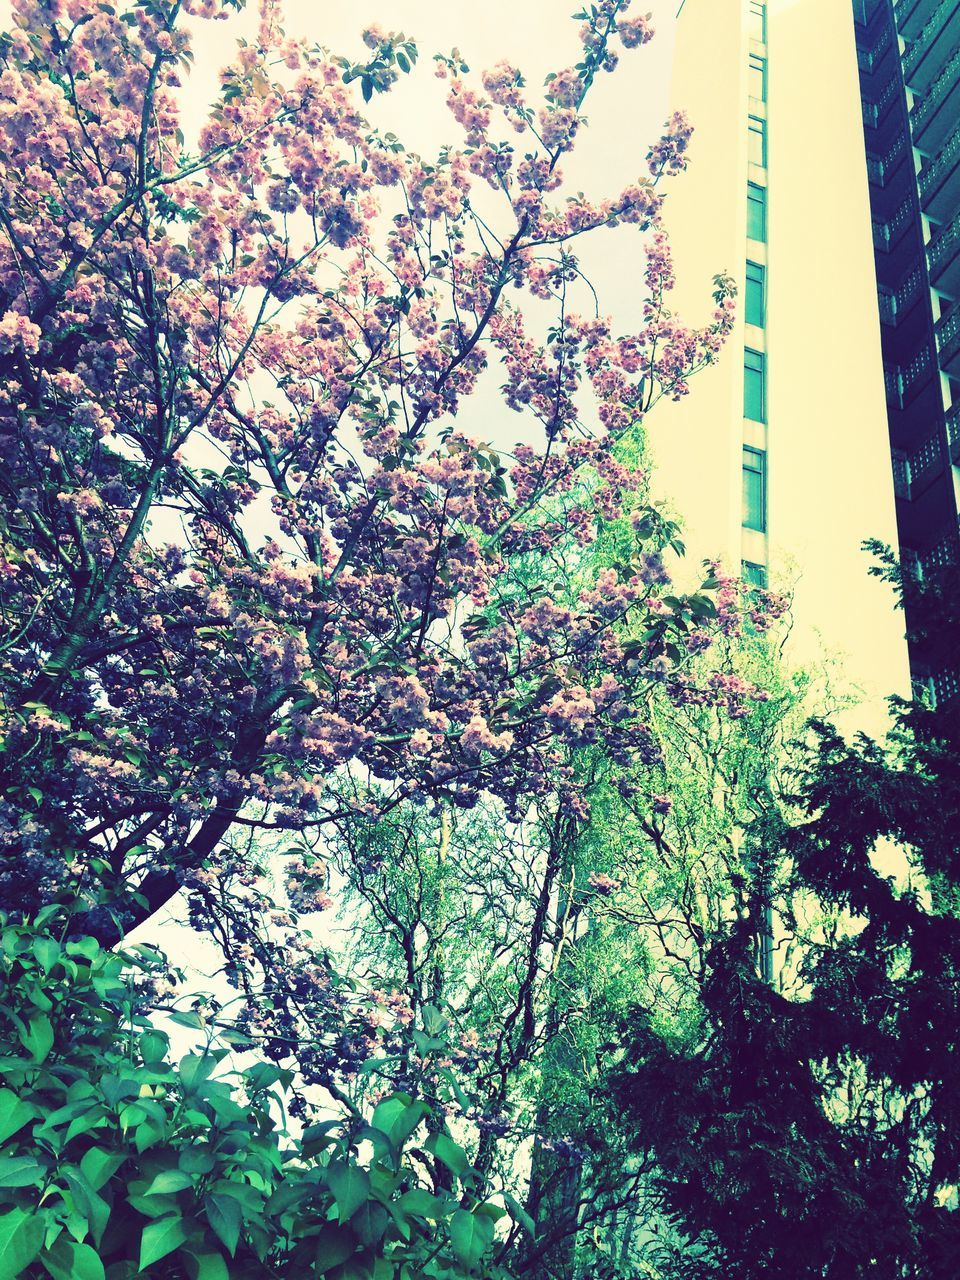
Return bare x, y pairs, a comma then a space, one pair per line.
37, 1038
448, 1153
206, 1266
397, 1117
334, 1245
519, 1214
197, 1160
194, 1068
21, 1238
153, 1046
370, 1222
67, 1260
99, 1166
14, 1114
47, 952
20, 1171
223, 1214
421, 1204
350, 1186
471, 1235
167, 1182
94, 1208
160, 1238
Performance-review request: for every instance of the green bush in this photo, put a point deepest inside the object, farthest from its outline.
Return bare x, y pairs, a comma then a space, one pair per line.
117, 1162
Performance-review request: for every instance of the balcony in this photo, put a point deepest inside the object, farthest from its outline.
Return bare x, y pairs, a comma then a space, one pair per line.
953, 432
912, 15
901, 474
869, 60
894, 306
913, 472
940, 181
943, 257
933, 47
940, 555
900, 382
945, 685
937, 111
947, 332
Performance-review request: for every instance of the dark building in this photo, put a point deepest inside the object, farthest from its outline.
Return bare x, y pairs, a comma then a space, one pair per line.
909, 59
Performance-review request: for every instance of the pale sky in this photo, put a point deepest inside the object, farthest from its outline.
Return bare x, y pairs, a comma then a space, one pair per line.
626, 109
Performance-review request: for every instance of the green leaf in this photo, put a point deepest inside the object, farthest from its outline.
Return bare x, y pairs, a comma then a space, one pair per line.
206, 1266
421, 1204
153, 1047
448, 1153
350, 1186
47, 952
470, 1236
90, 1119
99, 1166
195, 1068
21, 1238
197, 1160
167, 1182
370, 1222
160, 1238
14, 1114
397, 1117
67, 1260
94, 1208
317, 1136
20, 1171
433, 1020
37, 1038
223, 1214
264, 1074
187, 1018
519, 1214
334, 1245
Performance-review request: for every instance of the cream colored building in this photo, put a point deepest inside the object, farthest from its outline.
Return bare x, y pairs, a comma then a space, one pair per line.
779, 457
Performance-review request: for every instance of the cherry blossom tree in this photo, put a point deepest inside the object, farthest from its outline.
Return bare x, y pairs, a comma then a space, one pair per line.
245, 547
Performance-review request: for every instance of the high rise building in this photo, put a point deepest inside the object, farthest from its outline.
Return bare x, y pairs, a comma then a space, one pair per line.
779, 459
908, 55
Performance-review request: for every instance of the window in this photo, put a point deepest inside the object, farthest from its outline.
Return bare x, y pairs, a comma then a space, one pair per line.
758, 77
758, 20
754, 575
756, 294
754, 391
757, 152
754, 490
756, 211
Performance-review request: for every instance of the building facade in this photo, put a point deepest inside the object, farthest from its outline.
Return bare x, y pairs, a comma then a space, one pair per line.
779, 458
908, 55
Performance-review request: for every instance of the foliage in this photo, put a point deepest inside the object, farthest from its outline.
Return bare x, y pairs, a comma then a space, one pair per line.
533, 938
117, 1161
814, 1132
243, 538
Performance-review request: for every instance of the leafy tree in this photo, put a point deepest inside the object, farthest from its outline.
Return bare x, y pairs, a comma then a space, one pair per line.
242, 534
814, 1132
258, 586
516, 946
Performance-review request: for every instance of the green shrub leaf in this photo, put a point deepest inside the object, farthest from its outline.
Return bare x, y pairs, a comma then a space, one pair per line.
160, 1238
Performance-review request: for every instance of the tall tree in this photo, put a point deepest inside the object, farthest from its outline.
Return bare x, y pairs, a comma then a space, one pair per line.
813, 1132
242, 535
